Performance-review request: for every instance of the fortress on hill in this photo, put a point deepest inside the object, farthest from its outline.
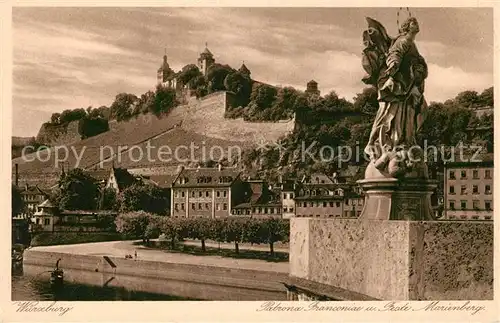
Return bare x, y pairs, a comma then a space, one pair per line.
199, 121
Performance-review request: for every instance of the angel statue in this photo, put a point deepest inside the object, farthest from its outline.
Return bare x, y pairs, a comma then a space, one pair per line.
395, 67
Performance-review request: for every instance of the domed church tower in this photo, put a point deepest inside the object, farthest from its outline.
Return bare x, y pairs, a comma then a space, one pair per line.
164, 71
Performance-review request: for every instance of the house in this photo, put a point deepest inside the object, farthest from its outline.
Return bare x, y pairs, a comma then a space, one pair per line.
288, 198
258, 201
32, 196
323, 196
206, 192
468, 188
45, 216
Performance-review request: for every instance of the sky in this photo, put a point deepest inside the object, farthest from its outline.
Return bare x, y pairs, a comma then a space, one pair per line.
67, 58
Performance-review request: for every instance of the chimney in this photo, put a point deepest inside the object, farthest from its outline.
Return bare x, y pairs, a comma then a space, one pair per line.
17, 175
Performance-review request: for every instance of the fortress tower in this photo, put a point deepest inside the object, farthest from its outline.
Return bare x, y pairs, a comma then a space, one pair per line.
164, 72
312, 87
206, 60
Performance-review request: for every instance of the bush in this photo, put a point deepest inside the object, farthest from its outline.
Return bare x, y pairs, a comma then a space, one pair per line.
61, 238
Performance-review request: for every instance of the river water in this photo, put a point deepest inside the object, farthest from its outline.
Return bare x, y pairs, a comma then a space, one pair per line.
37, 288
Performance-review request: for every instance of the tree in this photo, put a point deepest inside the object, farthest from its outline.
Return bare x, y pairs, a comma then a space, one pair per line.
78, 191
272, 230
173, 228
121, 108
467, 98
216, 75
240, 85
366, 101
109, 200
188, 73
486, 97
199, 229
145, 197
89, 127
234, 231
263, 95
17, 201
145, 103
164, 100
134, 224
72, 115
55, 118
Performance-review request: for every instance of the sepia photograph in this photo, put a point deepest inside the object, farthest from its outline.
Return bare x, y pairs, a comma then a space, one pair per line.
303, 157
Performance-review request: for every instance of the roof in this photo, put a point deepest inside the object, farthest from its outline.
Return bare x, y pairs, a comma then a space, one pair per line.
317, 178
206, 177
46, 203
88, 212
319, 197
33, 190
123, 178
162, 180
249, 205
244, 69
206, 52
471, 160
312, 82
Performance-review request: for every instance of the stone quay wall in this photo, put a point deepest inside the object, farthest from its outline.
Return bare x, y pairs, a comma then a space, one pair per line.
184, 280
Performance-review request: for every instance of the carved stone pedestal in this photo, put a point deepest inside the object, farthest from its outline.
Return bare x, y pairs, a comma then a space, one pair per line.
387, 198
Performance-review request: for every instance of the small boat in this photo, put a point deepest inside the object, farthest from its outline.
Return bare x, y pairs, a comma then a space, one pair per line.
57, 276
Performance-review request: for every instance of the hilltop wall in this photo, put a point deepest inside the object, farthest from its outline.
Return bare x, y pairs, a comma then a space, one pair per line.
58, 135
206, 117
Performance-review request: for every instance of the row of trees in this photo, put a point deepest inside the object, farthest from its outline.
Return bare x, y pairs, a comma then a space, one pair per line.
78, 190
145, 226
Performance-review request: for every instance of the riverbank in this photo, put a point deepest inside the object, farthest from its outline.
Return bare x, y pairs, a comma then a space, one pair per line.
157, 271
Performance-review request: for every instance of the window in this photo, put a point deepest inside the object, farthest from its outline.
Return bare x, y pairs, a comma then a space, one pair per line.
324, 204
346, 202
452, 189
218, 193
452, 174
291, 195
183, 194
487, 174
487, 205
47, 221
475, 217
207, 194
305, 204
487, 189
217, 206
207, 206
199, 206
463, 204
291, 209
463, 174
176, 206
487, 217
475, 189
475, 204
224, 207
313, 192
176, 194
311, 204
193, 206
37, 221
337, 204
225, 193
463, 217
182, 206
200, 194
285, 210
272, 210
463, 190
265, 210
192, 194
452, 205
475, 174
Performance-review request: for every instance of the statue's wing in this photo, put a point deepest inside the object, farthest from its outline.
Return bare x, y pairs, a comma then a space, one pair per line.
379, 35
377, 43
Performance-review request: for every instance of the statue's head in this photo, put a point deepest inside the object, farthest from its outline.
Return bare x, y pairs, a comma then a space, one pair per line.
410, 27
